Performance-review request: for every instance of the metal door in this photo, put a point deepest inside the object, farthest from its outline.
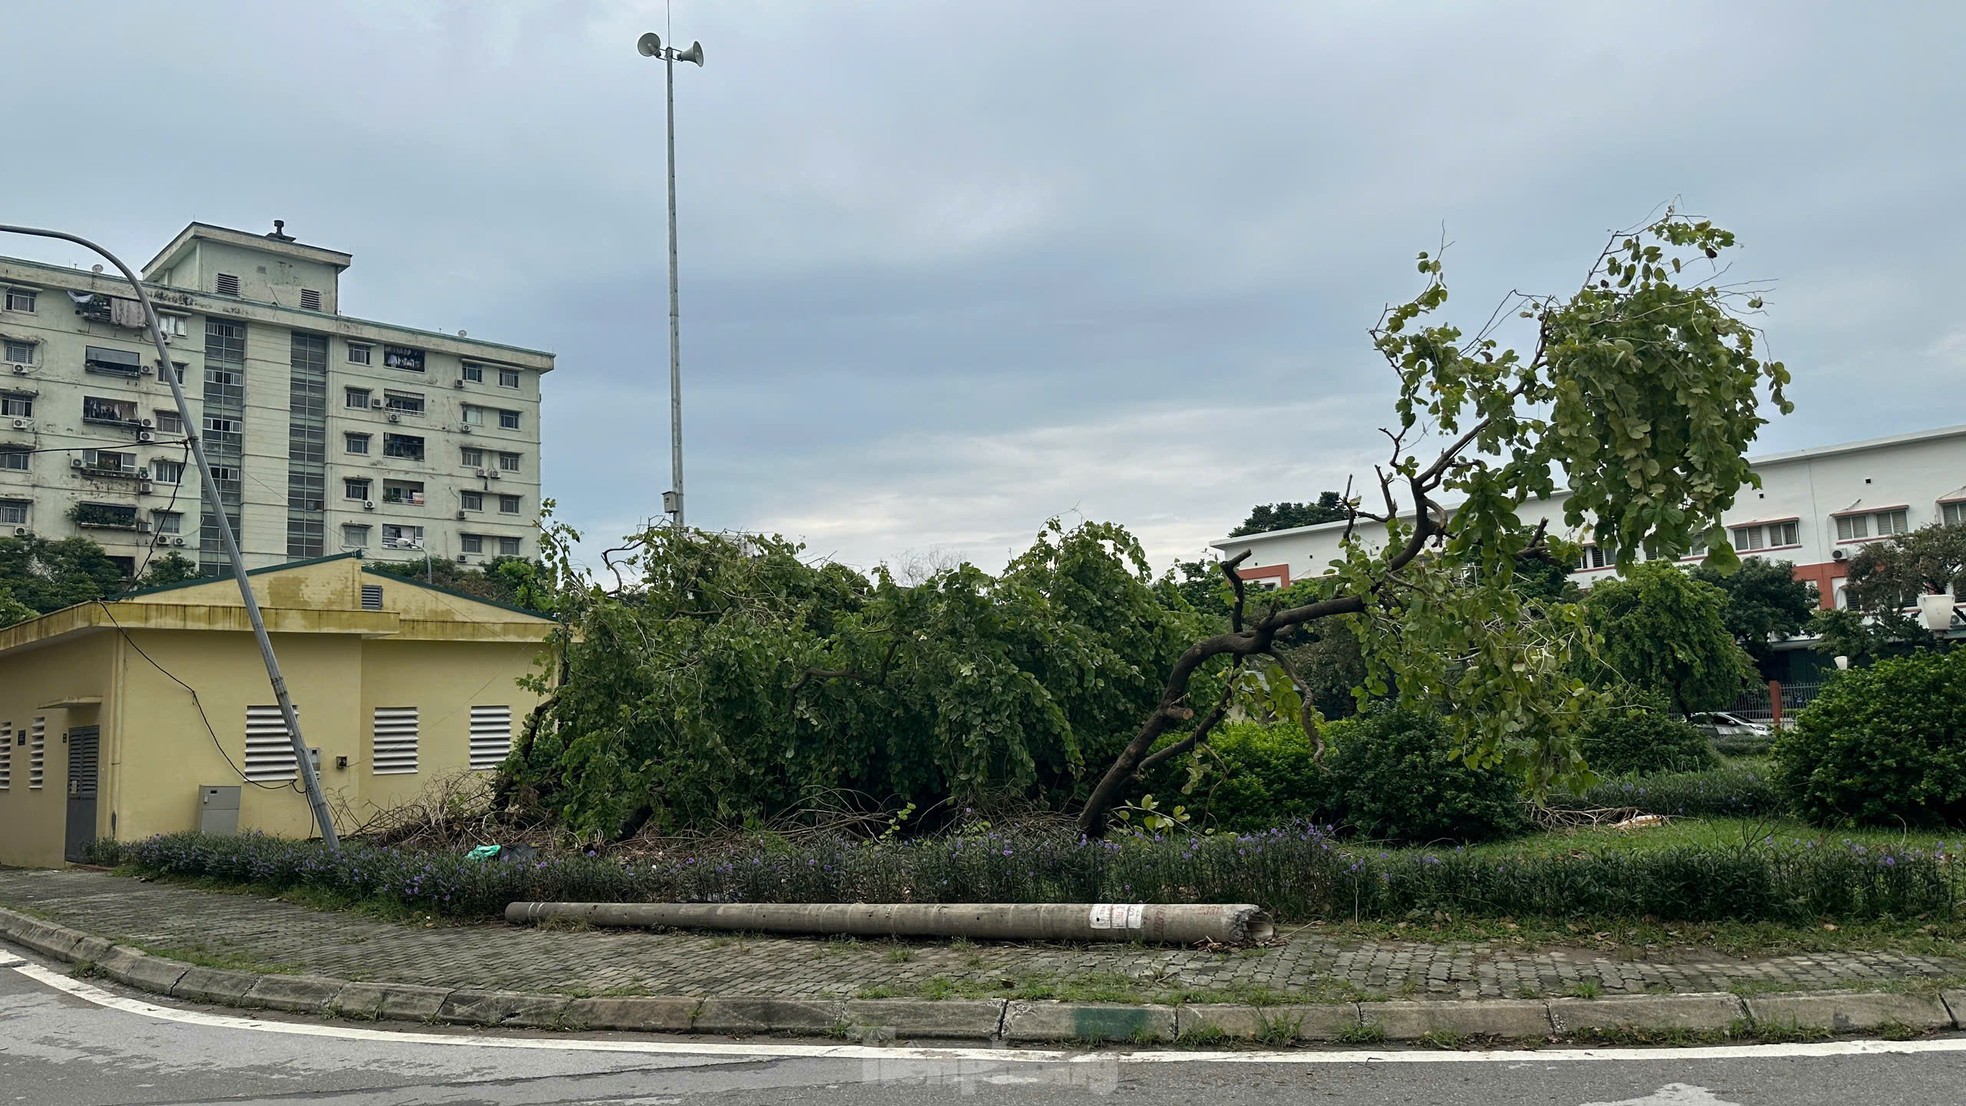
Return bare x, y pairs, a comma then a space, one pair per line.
83, 745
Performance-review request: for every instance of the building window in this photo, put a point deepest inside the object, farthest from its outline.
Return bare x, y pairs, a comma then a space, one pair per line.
16, 406
472, 501
121, 412
359, 354
508, 504
491, 736
508, 462
110, 516
1954, 513
474, 416
1880, 524
354, 536
105, 460
405, 493
111, 362
1597, 557
1769, 535
403, 403
508, 547
403, 357
227, 284
355, 443
17, 352
392, 742
508, 378
355, 397
168, 422
472, 458
402, 445
13, 512
173, 326
217, 425
310, 300
474, 373
14, 460
355, 489
402, 537
471, 543
168, 522
508, 420
21, 299
167, 472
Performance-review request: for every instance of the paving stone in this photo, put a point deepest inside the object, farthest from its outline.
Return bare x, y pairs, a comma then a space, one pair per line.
141, 970
473, 1007
648, 1013
1845, 1012
392, 1001
904, 1019
1647, 1012
739, 1016
1407, 1021
214, 985
1087, 1021
1277, 1024
300, 994
90, 949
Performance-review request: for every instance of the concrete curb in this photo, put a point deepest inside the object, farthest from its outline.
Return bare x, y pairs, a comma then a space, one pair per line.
989, 1019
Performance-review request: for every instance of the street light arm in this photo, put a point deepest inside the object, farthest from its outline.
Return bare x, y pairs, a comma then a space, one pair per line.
230, 541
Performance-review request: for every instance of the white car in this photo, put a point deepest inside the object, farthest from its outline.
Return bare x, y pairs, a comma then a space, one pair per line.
1722, 724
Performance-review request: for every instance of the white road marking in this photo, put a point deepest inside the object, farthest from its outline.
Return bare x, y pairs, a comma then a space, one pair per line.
787, 1050
1673, 1094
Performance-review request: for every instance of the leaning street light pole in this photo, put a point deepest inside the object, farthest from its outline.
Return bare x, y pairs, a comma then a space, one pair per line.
651, 46
231, 542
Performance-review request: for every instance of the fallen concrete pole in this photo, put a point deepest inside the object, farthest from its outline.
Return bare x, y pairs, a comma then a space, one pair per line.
1179, 924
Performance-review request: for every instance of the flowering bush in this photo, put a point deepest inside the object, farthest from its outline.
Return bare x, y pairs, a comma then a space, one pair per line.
1296, 872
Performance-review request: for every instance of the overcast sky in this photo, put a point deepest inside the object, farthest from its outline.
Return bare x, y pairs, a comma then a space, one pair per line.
952, 268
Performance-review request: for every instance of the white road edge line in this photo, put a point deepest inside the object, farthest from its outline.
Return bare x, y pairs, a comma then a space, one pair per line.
96, 995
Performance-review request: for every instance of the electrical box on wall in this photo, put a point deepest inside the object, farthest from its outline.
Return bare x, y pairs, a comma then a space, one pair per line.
218, 809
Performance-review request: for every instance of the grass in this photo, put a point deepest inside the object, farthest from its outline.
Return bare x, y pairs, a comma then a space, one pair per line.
204, 956
1655, 940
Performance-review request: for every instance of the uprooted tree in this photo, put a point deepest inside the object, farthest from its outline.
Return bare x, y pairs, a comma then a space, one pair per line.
1640, 391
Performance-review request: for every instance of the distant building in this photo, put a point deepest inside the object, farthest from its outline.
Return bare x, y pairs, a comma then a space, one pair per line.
326, 433
1815, 507
397, 684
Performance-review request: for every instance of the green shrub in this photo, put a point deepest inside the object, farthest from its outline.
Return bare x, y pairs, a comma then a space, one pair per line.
1260, 776
1884, 745
1626, 741
1394, 775
1734, 791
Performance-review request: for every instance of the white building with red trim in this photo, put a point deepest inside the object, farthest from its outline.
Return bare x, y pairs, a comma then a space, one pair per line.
1815, 507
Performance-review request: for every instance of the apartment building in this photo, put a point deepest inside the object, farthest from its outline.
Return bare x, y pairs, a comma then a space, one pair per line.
327, 434
1815, 507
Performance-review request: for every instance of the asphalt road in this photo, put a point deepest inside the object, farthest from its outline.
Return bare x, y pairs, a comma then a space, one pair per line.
76, 1044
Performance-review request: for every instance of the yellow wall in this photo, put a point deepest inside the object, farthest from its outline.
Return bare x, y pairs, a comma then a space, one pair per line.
32, 820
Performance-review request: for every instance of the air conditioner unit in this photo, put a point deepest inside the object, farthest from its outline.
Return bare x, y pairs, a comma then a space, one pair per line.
464, 558
143, 526
147, 370
146, 423
146, 436
395, 417
493, 474
464, 428
460, 516
19, 369
1839, 554
23, 424
377, 403
368, 504
481, 474
458, 383
75, 462
163, 539
22, 531
143, 488
179, 542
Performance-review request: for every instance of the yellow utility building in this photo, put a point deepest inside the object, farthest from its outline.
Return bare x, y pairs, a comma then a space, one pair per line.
152, 713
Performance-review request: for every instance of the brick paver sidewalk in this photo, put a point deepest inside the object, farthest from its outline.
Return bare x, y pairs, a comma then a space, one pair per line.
277, 936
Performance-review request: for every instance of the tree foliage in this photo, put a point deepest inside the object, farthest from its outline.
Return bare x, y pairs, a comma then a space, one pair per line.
1265, 517
1764, 604
513, 581
1641, 389
723, 680
1881, 745
1666, 632
1888, 576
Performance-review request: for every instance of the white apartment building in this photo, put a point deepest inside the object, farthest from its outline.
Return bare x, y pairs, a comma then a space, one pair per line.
327, 434
1815, 507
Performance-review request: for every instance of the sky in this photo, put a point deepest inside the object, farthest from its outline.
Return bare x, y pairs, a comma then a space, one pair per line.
951, 269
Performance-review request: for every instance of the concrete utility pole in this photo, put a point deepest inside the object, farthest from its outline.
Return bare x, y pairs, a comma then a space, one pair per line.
302, 758
651, 46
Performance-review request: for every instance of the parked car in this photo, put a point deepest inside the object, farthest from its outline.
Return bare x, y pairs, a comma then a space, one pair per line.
1722, 724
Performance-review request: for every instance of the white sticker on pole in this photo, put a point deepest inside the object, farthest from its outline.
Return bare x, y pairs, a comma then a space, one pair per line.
1115, 916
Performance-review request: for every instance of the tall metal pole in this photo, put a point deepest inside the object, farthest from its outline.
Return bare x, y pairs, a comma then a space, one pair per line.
231, 543
675, 309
